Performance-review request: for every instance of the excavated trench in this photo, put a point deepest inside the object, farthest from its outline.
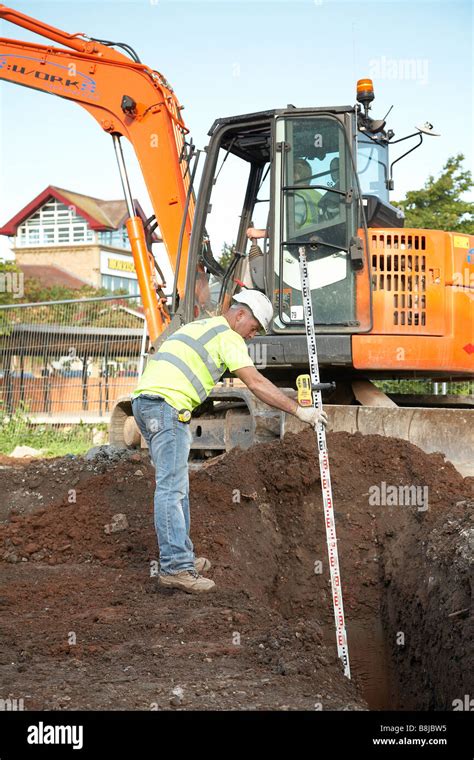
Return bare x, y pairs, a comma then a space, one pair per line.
406, 538
405, 530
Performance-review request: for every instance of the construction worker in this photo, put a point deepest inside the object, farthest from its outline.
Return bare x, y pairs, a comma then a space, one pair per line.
306, 201
176, 380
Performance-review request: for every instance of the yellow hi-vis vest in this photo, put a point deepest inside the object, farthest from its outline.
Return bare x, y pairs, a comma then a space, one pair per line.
191, 361
309, 213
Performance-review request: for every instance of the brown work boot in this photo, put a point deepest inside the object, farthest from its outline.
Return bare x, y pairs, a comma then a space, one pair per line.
202, 565
187, 580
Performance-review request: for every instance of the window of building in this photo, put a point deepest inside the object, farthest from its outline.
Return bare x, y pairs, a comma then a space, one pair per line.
79, 233
116, 238
63, 234
113, 283
54, 224
48, 235
32, 236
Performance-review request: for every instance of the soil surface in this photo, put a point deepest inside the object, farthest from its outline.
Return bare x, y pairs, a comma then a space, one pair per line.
86, 626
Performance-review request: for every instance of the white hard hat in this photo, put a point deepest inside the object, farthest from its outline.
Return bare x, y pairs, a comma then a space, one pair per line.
259, 305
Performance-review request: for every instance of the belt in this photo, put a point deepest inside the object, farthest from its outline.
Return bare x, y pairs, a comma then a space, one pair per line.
184, 415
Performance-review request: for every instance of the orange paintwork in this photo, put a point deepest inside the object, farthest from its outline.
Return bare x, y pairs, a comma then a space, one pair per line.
423, 303
156, 317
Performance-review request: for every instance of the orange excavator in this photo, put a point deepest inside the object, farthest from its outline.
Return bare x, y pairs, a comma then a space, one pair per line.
388, 302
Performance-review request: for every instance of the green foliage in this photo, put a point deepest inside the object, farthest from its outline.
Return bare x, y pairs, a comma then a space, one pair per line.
34, 290
18, 430
423, 387
227, 255
439, 204
98, 314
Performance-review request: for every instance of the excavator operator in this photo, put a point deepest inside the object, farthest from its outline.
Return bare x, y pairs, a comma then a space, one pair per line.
306, 201
330, 204
177, 379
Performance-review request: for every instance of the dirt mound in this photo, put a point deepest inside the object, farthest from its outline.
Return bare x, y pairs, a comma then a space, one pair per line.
266, 637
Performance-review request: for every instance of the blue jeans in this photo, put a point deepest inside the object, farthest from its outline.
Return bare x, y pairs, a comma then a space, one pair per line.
169, 442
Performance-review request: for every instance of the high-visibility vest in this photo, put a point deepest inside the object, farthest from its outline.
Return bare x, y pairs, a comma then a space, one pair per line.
310, 199
191, 361
197, 369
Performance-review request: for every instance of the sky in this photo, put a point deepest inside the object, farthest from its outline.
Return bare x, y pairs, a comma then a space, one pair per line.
228, 57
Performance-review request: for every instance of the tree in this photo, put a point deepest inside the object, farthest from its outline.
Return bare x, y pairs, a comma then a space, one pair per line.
439, 205
15, 288
36, 291
227, 255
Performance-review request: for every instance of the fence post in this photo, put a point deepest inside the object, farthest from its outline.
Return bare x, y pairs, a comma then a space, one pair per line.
84, 382
106, 373
9, 388
142, 349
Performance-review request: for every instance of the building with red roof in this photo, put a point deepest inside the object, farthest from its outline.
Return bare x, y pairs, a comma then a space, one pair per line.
66, 238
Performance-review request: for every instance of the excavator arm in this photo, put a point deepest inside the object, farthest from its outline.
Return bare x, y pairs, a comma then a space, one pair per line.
127, 99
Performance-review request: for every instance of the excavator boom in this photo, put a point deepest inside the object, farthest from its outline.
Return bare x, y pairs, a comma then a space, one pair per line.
127, 99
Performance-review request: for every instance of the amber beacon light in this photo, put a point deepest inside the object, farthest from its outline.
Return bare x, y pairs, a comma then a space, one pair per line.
365, 91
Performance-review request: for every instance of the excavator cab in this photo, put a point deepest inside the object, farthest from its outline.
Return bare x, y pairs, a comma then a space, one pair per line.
318, 212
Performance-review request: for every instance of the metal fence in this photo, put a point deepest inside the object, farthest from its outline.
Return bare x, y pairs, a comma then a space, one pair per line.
66, 361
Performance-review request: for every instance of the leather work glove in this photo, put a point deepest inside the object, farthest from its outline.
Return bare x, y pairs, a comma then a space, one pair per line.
311, 416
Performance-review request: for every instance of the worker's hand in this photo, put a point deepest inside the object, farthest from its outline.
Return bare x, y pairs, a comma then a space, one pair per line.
311, 416
254, 234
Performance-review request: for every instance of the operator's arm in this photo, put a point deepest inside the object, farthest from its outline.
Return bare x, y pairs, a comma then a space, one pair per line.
273, 396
